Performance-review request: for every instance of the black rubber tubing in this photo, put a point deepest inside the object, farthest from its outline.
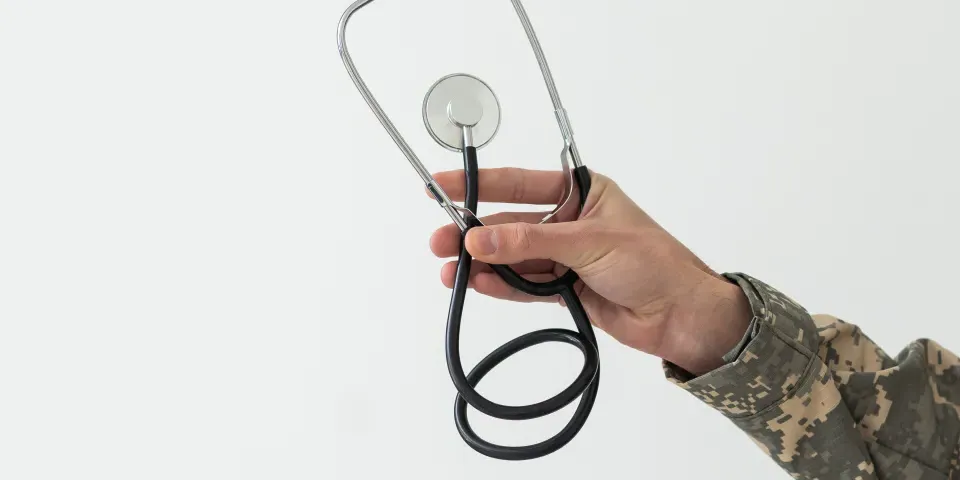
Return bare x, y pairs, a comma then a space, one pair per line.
584, 386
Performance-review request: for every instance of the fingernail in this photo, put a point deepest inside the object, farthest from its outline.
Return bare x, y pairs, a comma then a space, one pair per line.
485, 241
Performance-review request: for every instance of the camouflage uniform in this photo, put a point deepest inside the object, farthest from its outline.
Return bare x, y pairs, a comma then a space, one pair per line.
825, 402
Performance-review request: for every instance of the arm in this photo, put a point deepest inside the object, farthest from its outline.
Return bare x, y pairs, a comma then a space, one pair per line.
814, 393
823, 401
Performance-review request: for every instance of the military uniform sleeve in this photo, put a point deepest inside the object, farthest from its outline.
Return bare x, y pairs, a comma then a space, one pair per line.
825, 402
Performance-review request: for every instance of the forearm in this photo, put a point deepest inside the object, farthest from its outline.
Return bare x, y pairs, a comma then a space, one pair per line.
824, 402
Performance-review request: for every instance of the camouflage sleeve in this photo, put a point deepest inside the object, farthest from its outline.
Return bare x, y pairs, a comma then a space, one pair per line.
825, 402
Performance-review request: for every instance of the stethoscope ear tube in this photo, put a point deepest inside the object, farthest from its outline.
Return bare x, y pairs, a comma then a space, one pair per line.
584, 386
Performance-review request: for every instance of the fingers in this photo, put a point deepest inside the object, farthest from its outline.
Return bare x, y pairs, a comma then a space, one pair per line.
534, 267
485, 282
491, 285
445, 242
574, 244
507, 185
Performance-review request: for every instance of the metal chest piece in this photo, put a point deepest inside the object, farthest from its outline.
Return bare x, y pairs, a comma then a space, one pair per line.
461, 103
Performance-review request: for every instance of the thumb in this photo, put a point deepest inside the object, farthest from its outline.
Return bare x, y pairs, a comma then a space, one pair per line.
567, 243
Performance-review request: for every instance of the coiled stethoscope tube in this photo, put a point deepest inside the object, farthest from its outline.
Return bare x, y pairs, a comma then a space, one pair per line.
586, 383
465, 100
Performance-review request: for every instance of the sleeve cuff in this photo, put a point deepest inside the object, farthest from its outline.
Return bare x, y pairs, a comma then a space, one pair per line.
770, 361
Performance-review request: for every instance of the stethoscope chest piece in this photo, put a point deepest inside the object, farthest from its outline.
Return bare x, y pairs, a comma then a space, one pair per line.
461, 103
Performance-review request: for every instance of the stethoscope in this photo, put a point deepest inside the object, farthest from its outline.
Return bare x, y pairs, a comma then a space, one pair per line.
462, 114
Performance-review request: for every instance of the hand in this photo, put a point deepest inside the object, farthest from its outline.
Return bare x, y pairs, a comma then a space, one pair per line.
637, 282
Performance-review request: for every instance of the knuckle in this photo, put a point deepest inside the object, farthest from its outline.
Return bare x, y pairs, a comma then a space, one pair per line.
518, 184
522, 236
602, 179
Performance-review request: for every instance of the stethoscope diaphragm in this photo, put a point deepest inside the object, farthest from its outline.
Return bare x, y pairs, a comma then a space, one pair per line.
461, 101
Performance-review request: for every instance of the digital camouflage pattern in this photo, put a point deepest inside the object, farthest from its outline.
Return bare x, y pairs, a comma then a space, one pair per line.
825, 402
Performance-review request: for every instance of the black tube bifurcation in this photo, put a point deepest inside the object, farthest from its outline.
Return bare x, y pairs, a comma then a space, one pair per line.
584, 386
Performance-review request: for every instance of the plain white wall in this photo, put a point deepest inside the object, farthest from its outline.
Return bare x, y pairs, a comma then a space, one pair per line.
214, 262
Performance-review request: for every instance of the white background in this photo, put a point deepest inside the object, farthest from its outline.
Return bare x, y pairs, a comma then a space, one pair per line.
214, 262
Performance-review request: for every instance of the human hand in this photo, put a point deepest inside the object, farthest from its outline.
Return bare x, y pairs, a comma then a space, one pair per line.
637, 282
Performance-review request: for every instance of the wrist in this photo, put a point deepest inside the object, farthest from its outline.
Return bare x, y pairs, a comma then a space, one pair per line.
706, 326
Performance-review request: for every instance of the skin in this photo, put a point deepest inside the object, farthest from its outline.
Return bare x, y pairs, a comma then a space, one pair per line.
638, 283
